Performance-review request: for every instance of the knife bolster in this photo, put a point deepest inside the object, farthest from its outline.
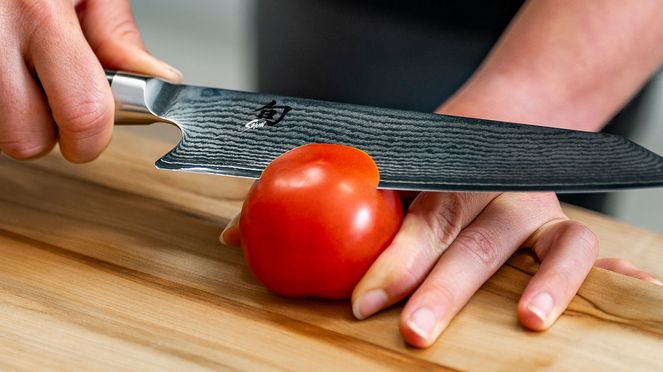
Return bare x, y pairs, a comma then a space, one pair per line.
131, 97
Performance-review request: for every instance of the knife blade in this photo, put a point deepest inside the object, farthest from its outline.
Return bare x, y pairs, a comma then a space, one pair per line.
235, 133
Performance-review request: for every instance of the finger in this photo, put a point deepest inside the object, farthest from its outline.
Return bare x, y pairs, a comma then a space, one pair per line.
625, 267
432, 223
110, 29
478, 251
76, 87
230, 235
26, 127
567, 250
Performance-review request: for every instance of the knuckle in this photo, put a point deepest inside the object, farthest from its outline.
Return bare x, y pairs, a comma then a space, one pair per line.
533, 197
446, 221
403, 280
40, 13
618, 265
441, 294
538, 205
621, 264
125, 28
626, 266
400, 274
609, 263
480, 245
581, 233
84, 119
23, 148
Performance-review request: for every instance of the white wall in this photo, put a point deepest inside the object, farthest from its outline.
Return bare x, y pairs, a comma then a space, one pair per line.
210, 41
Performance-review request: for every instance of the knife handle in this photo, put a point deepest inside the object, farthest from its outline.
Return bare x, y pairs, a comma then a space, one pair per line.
132, 94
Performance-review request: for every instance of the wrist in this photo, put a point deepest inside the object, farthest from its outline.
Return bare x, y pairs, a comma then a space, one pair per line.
505, 97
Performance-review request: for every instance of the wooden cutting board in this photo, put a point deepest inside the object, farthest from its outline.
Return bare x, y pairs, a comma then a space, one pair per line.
115, 265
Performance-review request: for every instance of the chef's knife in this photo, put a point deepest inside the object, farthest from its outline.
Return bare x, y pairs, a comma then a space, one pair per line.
239, 133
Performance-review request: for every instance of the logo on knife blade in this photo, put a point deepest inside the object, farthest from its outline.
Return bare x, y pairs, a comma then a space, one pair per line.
268, 115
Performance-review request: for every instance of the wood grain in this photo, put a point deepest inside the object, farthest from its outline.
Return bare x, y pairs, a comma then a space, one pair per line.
115, 265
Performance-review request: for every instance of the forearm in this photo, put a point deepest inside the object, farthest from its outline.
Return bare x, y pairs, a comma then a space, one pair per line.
570, 64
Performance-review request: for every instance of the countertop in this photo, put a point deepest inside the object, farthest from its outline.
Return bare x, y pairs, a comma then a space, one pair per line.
116, 265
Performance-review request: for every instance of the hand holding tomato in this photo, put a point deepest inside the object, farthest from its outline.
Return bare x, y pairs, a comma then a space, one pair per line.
448, 245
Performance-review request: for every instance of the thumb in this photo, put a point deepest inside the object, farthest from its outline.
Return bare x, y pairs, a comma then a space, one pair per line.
231, 235
110, 30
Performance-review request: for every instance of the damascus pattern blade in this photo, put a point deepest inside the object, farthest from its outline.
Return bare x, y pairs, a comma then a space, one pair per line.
238, 134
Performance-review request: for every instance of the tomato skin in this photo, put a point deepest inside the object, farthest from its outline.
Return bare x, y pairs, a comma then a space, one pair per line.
315, 221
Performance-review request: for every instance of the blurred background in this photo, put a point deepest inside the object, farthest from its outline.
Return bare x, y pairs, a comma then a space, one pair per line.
249, 45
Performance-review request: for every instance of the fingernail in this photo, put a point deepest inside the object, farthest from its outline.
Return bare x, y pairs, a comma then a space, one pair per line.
230, 234
221, 238
422, 322
226, 240
541, 305
369, 303
157, 67
172, 73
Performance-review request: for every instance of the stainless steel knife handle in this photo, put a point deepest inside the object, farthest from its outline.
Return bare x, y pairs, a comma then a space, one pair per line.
132, 97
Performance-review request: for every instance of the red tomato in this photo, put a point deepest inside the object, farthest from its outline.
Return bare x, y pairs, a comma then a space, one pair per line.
315, 221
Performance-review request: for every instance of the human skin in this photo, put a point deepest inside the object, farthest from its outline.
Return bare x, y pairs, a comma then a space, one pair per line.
567, 64
53, 86
561, 63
